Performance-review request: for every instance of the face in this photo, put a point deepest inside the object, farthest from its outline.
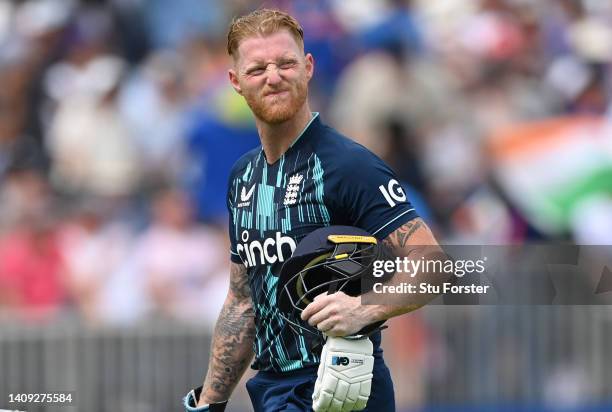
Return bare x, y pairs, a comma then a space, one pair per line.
272, 75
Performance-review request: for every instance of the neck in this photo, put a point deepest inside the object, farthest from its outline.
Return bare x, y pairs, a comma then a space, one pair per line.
276, 138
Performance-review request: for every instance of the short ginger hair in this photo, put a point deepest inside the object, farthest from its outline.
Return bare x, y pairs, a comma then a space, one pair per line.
262, 22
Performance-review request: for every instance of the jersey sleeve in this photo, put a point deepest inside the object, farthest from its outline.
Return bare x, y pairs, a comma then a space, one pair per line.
369, 195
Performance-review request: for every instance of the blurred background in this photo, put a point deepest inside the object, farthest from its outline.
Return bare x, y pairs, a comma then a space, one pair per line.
118, 128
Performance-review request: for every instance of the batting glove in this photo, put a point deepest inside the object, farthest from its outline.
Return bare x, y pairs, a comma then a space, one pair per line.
191, 400
344, 378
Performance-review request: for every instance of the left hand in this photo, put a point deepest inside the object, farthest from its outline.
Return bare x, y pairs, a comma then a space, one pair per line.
336, 315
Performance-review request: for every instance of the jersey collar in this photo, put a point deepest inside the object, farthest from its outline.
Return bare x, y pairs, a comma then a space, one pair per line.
312, 123
315, 116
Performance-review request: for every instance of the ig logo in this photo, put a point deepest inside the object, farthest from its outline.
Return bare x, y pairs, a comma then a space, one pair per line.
393, 193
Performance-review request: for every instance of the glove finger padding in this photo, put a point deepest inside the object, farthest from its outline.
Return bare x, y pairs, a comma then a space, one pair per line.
344, 377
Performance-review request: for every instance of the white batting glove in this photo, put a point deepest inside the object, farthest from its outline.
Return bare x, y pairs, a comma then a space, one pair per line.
344, 378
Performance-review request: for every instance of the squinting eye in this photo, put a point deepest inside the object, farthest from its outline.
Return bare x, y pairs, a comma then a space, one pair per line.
287, 65
256, 72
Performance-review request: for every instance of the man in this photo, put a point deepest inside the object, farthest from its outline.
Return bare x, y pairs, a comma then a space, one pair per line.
305, 176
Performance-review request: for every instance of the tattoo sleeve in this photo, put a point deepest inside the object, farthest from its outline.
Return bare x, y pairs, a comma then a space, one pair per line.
412, 240
231, 349
398, 239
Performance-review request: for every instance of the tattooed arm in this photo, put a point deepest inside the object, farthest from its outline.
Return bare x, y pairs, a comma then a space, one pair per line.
413, 240
231, 349
341, 315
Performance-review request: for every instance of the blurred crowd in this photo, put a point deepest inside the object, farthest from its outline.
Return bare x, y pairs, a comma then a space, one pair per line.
118, 128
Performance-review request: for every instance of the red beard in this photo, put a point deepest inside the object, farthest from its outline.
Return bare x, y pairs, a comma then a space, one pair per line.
278, 109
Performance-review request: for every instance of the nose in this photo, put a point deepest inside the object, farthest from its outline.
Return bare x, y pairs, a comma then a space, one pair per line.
273, 74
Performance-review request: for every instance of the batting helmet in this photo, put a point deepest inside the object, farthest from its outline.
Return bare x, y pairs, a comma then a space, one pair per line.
329, 259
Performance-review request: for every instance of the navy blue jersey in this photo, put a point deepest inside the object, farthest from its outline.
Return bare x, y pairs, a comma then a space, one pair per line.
323, 179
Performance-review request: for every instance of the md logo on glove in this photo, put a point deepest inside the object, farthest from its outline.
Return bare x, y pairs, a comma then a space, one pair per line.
344, 361
340, 360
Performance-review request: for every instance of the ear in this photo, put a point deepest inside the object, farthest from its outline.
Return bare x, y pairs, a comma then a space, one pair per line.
233, 78
309, 65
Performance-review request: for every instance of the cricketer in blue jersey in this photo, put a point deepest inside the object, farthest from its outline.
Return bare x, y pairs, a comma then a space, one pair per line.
304, 176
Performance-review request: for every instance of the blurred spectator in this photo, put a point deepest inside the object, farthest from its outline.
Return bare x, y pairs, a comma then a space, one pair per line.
32, 272
153, 102
103, 283
25, 194
172, 23
90, 144
185, 265
398, 29
40, 29
588, 34
18, 149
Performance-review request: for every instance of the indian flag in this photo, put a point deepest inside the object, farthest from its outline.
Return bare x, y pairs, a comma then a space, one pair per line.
549, 168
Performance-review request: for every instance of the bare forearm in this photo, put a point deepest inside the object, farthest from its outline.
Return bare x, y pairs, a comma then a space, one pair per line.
376, 313
231, 350
414, 241
232, 345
